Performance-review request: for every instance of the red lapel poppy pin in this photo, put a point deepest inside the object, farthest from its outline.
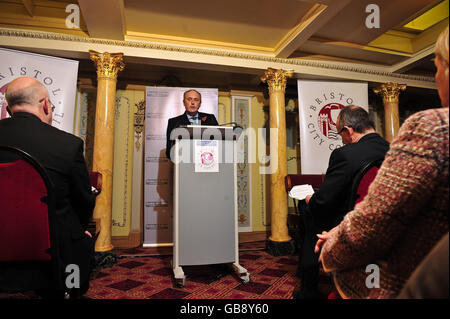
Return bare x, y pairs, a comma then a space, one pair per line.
203, 118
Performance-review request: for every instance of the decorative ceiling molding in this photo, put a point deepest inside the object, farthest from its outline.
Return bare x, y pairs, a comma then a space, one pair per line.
184, 41
378, 71
410, 62
315, 19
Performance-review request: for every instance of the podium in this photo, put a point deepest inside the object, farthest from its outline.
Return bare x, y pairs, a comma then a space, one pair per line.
205, 217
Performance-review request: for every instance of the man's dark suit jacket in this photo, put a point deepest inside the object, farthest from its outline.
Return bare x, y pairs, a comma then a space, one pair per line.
61, 154
330, 203
174, 122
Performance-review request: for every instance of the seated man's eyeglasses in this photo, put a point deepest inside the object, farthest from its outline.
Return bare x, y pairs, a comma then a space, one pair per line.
53, 106
341, 130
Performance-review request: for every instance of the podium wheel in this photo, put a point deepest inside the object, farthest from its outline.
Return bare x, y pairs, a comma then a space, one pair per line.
180, 282
245, 278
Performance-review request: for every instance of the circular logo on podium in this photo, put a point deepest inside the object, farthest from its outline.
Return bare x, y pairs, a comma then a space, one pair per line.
207, 158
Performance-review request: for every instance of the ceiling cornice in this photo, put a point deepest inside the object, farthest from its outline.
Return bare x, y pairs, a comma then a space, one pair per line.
364, 72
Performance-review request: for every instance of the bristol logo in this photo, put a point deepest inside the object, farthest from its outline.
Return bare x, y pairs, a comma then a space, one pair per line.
327, 118
207, 159
322, 120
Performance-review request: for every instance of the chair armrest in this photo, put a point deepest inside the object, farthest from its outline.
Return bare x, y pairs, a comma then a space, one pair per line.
288, 182
96, 182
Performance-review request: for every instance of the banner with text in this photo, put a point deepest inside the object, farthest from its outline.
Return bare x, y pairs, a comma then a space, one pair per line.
163, 103
319, 104
58, 75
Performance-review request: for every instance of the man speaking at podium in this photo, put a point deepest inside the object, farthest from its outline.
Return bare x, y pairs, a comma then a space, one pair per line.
192, 100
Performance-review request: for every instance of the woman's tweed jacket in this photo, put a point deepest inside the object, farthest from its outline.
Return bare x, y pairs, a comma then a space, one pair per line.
404, 214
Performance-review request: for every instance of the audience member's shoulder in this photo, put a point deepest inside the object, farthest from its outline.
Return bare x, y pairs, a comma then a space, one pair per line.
424, 133
63, 135
423, 125
341, 151
429, 117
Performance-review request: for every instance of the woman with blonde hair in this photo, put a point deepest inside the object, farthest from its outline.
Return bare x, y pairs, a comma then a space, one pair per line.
377, 246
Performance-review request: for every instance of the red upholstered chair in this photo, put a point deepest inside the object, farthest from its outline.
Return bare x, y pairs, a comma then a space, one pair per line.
362, 181
27, 233
359, 190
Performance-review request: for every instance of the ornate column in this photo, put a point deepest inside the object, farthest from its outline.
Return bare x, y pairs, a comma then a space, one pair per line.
390, 92
279, 243
108, 65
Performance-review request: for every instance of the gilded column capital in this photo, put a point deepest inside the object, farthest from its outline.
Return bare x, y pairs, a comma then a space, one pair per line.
108, 64
276, 79
390, 91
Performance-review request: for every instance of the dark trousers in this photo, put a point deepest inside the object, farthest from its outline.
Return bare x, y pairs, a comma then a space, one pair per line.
309, 229
308, 267
84, 257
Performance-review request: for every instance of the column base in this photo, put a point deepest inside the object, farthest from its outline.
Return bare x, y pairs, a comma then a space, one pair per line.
103, 249
105, 259
280, 248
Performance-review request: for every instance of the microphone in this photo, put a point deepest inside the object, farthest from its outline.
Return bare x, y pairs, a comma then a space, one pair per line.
230, 123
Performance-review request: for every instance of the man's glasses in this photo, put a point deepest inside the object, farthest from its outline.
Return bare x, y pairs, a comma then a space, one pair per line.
51, 104
341, 130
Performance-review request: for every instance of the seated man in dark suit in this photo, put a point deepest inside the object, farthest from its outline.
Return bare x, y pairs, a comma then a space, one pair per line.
61, 154
327, 206
192, 101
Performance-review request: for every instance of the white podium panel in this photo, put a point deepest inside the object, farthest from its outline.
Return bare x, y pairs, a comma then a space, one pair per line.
205, 201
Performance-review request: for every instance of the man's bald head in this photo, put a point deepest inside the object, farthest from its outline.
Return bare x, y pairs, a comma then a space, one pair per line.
25, 91
27, 94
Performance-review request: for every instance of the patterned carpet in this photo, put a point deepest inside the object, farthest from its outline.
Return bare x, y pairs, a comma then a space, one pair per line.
136, 276
140, 273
